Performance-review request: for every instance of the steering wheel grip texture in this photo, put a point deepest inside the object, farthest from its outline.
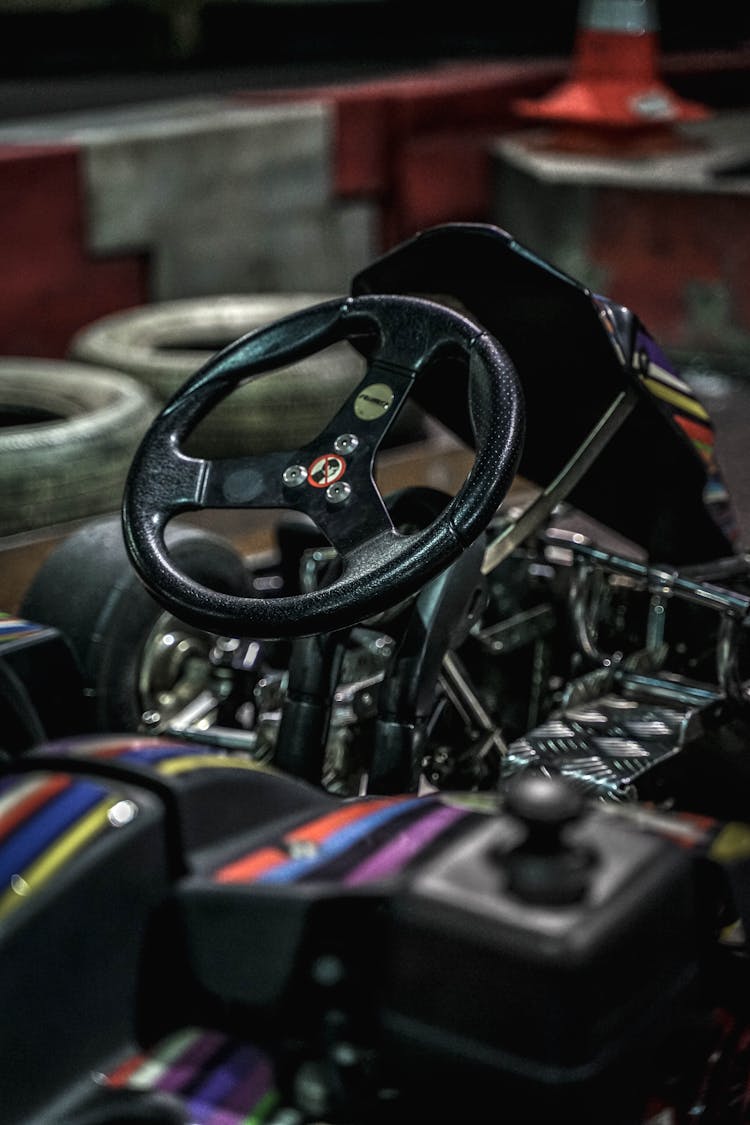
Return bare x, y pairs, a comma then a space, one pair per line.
402, 339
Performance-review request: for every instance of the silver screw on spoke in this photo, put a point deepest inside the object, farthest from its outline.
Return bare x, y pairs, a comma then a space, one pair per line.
294, 475
339, 492
346, 443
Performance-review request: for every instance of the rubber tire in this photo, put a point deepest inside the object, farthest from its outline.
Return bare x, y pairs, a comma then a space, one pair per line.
73, 464
88, 590
160, 344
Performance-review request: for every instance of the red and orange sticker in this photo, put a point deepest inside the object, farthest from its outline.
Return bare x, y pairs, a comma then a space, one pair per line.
326, 470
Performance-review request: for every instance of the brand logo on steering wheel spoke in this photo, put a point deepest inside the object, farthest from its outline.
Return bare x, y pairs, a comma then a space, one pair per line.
326, 470
373, 401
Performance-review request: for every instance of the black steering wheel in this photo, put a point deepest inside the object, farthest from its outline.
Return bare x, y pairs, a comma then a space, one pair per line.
331, 478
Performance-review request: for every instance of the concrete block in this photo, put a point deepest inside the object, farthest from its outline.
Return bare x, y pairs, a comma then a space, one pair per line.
664, 234
219, 195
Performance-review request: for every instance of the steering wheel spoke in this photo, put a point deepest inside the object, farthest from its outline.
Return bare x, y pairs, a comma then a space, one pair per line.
331, 478
246, 482
350, 517
362, 421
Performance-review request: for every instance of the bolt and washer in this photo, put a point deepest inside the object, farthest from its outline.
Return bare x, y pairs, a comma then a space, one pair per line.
339, 492
294, 475
346, 443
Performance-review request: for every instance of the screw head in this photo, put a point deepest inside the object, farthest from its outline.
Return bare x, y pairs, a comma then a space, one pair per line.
294, 475
346, 443
339, 492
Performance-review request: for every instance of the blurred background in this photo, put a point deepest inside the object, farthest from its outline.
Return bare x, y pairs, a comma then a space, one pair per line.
43, 38
173, 173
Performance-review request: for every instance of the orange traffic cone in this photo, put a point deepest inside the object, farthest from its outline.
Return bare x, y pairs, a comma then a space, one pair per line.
614, 93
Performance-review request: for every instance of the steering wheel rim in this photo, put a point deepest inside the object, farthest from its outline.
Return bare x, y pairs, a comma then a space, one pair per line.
402, 338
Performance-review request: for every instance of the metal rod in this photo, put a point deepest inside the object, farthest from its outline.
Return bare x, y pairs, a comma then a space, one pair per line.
664, 580
555, 492
458, 689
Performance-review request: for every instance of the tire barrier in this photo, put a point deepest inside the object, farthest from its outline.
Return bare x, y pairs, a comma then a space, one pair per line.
68, 432
163, 343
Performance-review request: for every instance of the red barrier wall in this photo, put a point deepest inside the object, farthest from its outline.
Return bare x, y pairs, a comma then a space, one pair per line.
414, 145
50, 283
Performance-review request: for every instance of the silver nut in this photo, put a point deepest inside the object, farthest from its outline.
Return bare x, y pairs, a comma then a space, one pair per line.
346, 443
294, 475
339, 492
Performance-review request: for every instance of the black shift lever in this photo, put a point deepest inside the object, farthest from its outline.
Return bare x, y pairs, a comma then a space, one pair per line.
547, 867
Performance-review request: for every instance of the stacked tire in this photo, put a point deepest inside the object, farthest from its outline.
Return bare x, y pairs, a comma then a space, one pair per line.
162, 344
68, 432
